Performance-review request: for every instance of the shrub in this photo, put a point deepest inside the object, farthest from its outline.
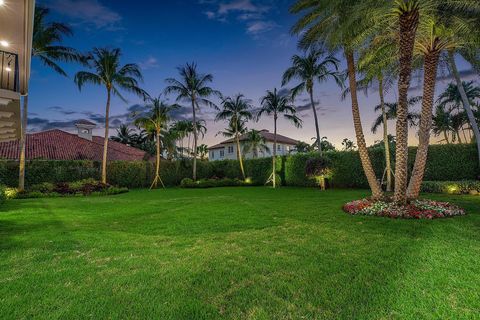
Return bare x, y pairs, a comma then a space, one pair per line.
212, 183
451, 187
3, 195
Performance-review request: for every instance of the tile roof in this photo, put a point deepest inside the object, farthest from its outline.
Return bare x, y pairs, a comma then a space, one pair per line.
60, 145
265, 133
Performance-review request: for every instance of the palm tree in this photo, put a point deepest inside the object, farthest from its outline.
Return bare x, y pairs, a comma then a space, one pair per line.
433, 38
46, 36
193, 88
391, 113
236, 110
274, 104
335, 25
202, 150
255, 142
348, 145
309, 69
442, 123
107, 72
155, 120
125, 135
303, 147
233, 127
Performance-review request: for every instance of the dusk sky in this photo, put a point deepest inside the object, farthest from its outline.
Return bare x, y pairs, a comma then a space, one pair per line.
245, 44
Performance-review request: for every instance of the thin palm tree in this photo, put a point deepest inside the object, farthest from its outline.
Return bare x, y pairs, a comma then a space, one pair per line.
46, 48
311, 68
106, 71
274, 104
442, 123
233, 127
236, 110
193, 87
335, 25
155, 120
255, 142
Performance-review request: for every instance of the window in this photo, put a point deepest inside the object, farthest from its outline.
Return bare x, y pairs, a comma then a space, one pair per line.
222, 153
279, 147
230, 149
212, 154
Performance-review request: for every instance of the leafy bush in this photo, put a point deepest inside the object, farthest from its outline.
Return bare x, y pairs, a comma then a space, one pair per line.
451, 187
3, 196
212, 183
62, 189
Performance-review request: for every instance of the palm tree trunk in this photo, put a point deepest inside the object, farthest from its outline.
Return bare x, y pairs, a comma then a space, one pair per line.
239, 154
430, 74
386, 143
446, 137
274, 158
466, 103
457, 133
105, 142
319, 141
23, 141
408, 28
157, 165
362, 145
194, 141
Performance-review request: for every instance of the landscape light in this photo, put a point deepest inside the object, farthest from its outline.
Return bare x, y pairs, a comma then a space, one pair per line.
3, 42
8, 69
2, 2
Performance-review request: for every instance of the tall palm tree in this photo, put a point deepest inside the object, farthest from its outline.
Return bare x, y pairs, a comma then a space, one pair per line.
433, 38
274, 104
106, 71
155, 120
335, 26
193, 87
254, 143
236, 109
46, 48
309, 69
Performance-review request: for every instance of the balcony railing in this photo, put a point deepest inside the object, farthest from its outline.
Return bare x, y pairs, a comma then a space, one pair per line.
9, 79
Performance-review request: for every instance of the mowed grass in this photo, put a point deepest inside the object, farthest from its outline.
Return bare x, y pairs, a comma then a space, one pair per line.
234, 253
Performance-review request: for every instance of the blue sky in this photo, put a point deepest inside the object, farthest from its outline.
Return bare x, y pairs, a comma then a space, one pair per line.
245, 44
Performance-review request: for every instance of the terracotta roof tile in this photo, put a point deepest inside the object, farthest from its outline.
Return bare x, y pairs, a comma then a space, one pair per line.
60, 145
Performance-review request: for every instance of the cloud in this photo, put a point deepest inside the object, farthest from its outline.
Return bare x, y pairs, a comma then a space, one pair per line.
90, 13
256, 27
466, 75
247, 11
149, 63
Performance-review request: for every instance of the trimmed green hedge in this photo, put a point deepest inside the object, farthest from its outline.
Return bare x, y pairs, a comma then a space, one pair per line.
445, 163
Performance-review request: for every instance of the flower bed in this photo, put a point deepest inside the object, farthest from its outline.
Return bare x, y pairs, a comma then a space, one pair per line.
417, 209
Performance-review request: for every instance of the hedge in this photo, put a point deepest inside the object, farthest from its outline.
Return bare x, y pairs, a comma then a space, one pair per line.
445, 163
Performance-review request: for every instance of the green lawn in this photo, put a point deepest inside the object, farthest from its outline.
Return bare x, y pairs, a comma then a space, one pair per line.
234, 253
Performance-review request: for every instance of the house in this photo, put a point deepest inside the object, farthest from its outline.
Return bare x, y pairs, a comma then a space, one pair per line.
60, 145
16, 29
227, 150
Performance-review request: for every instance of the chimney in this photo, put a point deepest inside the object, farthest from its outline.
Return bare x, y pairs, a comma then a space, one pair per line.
85, 129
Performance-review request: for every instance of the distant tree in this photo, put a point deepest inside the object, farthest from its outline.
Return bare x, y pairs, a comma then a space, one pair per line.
125, 135
303, 147
309, 69
275, 104
202, 151
254, 143
325, 144
235, 110
193, 87
155, 120
348, 145
108, 72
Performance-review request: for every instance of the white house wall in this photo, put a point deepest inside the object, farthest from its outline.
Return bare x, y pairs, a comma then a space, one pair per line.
215, 154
